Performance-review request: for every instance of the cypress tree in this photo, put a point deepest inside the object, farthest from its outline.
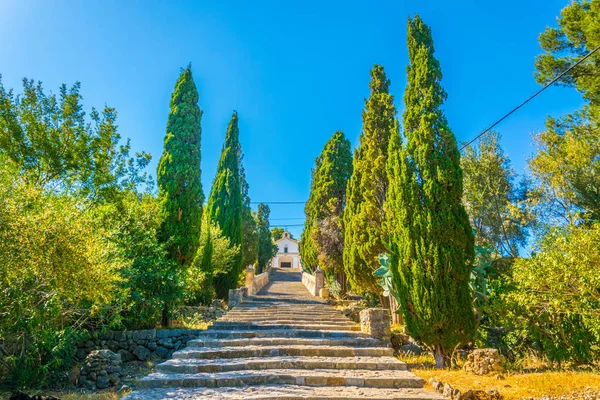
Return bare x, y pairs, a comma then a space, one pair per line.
365, 235
249, 232
431, 241
326, 203
306, 246
266, 247
178, 174
225, 204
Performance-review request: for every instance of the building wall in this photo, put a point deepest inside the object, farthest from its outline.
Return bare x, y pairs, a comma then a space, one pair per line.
291, 244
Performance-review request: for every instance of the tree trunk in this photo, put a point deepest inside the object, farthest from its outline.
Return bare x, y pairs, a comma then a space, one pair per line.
396, 317
441, 358
340, 277
166, 317
385, 302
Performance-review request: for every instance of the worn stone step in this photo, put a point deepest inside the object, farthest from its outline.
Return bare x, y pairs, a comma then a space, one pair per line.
238, 316
190, 366
290, 321
324, 327
276, 351
283, 392
364, 342
315, 377
265, 333
340, 318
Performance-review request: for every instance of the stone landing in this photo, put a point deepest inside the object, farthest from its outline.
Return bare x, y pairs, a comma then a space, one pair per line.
283, 343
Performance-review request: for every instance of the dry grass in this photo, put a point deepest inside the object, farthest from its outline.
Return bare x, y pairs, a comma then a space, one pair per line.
70, 395
515, 385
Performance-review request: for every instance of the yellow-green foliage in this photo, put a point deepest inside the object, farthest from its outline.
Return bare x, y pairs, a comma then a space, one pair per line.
58, 274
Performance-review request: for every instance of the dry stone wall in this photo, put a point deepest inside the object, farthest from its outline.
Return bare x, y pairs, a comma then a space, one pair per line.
139, 345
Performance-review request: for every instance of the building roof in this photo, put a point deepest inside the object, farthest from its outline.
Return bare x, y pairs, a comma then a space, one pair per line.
286, 235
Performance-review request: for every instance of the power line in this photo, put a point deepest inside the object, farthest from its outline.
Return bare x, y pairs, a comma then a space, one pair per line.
531, 97
277, 202
286, 219
285, 226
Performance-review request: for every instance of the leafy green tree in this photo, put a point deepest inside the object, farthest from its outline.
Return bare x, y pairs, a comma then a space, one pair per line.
199, 277
494, 203
135, 221
566, 167
266, 248
565, 171
553, 298
277, 233
431, 240
575, 36
54, 144
215, 257
225, 204
325, 205
365, 234
178, 175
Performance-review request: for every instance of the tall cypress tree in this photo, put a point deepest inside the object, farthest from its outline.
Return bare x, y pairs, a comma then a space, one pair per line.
326, 202
249, 232
431, 241
225, 203
178, 176
266, 248
365, 234
307, 247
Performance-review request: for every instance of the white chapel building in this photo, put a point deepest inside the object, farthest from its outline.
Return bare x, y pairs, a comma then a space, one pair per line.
288, 255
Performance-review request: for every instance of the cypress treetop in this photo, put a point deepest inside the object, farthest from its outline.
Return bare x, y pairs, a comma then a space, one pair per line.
178, 174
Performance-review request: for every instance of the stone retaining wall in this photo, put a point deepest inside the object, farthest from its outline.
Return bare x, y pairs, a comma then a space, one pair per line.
261, 280
310, 282
139, 345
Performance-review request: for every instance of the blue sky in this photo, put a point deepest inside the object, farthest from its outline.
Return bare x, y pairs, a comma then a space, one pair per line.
295, 71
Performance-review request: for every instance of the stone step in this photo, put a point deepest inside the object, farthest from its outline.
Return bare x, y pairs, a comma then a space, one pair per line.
269, 333
287, 321
285, 315
250, 326
277, 351
364, 342
337, 317
315, 377
192, 366
283, 392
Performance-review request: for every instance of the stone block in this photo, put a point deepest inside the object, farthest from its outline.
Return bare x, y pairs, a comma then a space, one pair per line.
484, 361
163, 333
376, 323
161, 352
324, 293
141, 353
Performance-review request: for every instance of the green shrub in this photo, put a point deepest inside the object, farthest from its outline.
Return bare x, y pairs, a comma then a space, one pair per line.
59, 278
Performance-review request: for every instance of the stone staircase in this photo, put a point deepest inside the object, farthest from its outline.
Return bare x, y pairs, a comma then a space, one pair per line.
283, 344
